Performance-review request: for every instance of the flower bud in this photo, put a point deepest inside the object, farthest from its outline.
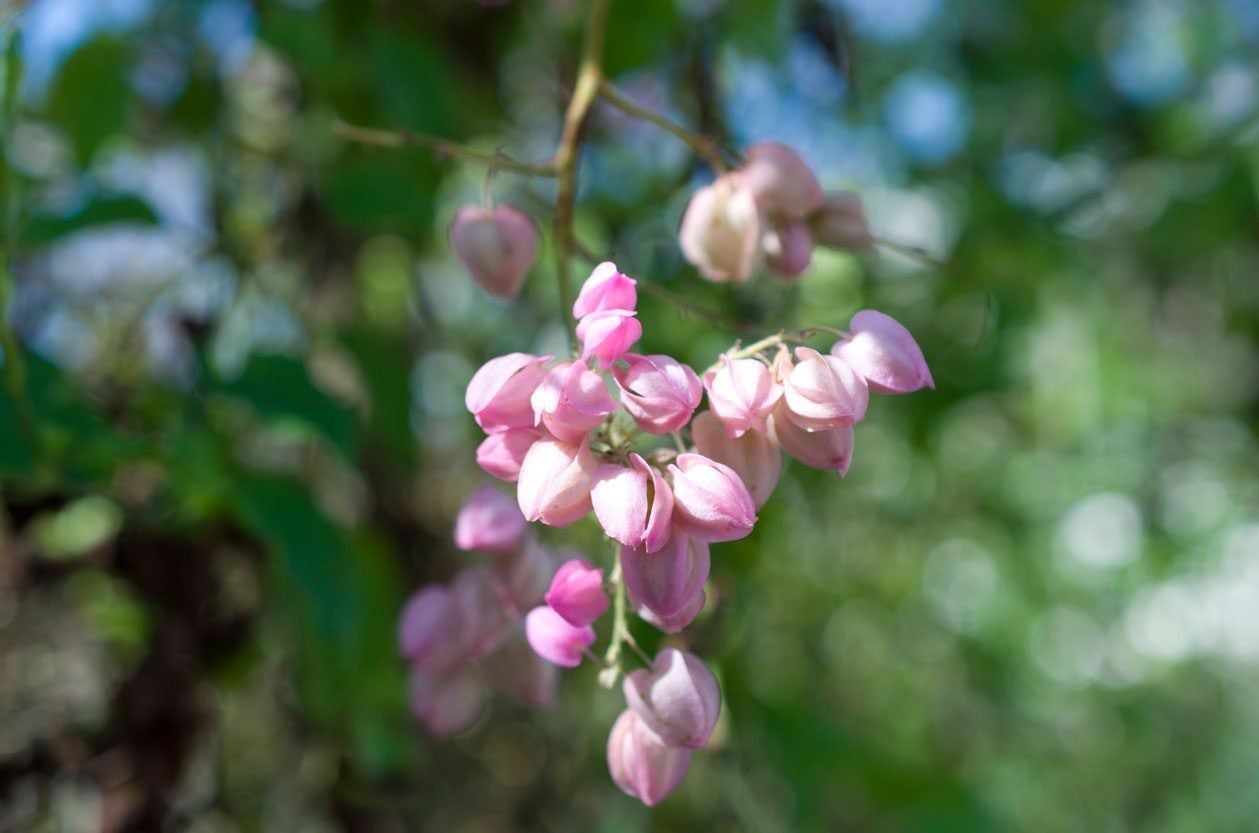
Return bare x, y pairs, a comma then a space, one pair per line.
824, 392
659, 392
483, 615
710, 501
554, 484
755, 456
576, 592
742, 392
426, 623
607, 334
522, 674
497, 247
667, 587
788, 247
490, 521
678, 699
524, 575
882, 351
501, 454
641, 764
499, 393
829, 450
841, 223
605, 289
780, 180
634, 504
721, 231
570, 401
554, 639
446, 703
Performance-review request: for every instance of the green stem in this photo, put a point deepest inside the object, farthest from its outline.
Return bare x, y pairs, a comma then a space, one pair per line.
704, 146
620, 627
443, 147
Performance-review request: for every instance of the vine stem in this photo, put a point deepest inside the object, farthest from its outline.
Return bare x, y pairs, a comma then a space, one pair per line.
707, 148
612, 657
440, 146
757, 347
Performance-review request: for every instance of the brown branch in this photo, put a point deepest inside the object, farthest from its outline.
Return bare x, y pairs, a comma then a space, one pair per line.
442, 147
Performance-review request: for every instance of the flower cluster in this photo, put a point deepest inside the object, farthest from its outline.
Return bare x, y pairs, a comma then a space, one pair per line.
771, 211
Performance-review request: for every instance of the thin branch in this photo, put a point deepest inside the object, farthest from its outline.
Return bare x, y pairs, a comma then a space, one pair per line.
912, 252
709, 149
442, 147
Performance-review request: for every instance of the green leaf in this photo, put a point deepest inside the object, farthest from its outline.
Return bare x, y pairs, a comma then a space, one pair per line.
91, 99
44, 229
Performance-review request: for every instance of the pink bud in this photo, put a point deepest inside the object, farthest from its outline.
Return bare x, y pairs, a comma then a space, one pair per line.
501, 454
576, 592
883, 351
498, 394
524, 575
667, 587
721, 231
554, 639
789, 247
490, 521
483, 615
824, 392
742, 392
660, 393
446, 703
427, 621
710, 501
780, 180
554, 482
755, 456
827, 450
606, 335
678, 699
841, 223
571, 400
522, 674
634, 504
497, 247
641, 764
605, 289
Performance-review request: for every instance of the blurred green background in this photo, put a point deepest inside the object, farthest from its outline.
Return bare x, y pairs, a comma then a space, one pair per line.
239, 345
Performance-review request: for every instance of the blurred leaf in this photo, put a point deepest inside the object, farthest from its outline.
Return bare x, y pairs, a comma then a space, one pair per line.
90, 99
44, 229
386, 374
382, 193
78, 528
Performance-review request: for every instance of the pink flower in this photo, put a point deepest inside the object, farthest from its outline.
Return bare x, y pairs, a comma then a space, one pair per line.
788, 247
721, 231
554, 482
641, 764
497, 247
554, 639
755, 456
501, 454
780, 180
606, 289
522, 674
634, 505
498, 394
678, 699
570, 401
829, 450
607, 334
841, 223
710, 501
446, 703
524, 575
885, 354
741, 393
489, 521
660, 393
427, 623
576, 593
482, 614
824, 392
667, 587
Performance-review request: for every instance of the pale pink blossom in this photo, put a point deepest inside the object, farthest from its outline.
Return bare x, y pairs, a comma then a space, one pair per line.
659, 392
427, 623
841, 223
666, 588
496, 246
499, 393
829, 450
521, 674
554, 485
641, 764
570, 401
678, 698
780, 180
483, 614
634, 504
607, 334
447, 703
554, 639
755, 456
501, 454
710, 501
489, 521
824, 392
788, 247
882, 351
742, 392
524, 575
721, 231
576, 592
605, 289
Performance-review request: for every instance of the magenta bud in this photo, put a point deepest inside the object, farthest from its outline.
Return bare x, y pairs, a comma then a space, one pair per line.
641, 764
501, 454
497, 247
489, 521
721, 231
499, 393
576, 593
554, 485
607, 334
824, 392
659, 392
788, 247
781, 182
427, 621
710, 501
678, 699
829, 450
446, 703
570, 401
841, 223
667, 587
521, 674
554, 639
755, 456
742, 392
606, 289
882, 351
